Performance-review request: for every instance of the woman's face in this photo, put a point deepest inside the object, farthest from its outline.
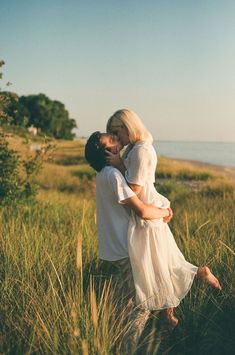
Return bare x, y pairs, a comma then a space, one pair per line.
118, 128
111, 142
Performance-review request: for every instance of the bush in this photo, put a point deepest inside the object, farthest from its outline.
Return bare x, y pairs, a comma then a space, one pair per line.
172, 190
219, 188
15, 176
16, 183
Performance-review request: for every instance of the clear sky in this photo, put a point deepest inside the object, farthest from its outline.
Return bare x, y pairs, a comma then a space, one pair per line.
171, 61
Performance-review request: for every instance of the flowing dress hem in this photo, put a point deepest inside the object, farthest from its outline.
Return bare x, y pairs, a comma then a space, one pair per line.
170, 305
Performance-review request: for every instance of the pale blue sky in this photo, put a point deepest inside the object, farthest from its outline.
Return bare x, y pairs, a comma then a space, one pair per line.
170, 61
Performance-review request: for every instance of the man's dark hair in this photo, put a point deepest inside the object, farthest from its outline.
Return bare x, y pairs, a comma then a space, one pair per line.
95, 152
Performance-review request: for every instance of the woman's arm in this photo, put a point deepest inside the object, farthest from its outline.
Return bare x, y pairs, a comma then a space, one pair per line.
116, 161
136, 188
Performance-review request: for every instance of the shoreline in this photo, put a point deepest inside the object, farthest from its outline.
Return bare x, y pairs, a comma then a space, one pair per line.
219, 169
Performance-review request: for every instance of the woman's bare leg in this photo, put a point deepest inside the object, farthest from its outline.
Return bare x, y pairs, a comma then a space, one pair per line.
206, 275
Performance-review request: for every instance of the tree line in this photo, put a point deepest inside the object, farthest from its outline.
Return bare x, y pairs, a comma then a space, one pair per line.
49, 116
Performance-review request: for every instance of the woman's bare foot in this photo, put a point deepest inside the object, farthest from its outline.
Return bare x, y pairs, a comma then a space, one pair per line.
206, 275
169, 317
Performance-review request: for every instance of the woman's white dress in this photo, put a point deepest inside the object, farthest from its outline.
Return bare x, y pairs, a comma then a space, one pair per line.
161, 274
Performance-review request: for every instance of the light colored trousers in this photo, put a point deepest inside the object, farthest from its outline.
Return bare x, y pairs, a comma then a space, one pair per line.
125, 293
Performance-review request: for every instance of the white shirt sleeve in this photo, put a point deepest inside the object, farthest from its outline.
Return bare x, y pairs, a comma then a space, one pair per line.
139, 163
119, 186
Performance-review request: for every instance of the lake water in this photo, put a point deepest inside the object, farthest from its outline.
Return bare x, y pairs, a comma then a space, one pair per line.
207, 152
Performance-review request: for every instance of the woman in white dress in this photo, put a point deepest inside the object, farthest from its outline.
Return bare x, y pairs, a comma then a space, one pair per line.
161, 274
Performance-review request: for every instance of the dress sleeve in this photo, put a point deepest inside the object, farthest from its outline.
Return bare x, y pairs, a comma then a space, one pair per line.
119, 186
139, 163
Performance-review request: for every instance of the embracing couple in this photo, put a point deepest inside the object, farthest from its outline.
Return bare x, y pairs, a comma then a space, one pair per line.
132, 220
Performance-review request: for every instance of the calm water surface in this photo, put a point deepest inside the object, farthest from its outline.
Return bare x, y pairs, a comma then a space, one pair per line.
207, 152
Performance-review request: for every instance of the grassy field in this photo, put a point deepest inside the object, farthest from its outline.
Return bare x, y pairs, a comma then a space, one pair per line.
55, 297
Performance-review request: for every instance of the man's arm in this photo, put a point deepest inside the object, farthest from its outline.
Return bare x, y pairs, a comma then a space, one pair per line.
146, 211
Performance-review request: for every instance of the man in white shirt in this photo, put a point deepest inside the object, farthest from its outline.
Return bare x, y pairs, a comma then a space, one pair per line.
114, 201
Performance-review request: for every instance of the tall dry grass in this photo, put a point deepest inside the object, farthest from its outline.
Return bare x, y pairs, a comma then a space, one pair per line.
55, 299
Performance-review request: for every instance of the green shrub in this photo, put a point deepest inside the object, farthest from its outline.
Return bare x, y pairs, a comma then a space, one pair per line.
85, 174
69, 160
190, 175
16, 185
218, 190
172, 189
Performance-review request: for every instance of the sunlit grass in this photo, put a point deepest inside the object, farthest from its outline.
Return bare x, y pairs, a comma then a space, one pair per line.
55, 298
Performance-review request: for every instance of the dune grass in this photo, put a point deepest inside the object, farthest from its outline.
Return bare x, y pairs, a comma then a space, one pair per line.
55, 297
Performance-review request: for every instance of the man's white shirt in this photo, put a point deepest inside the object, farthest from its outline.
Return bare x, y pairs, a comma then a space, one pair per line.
112, 216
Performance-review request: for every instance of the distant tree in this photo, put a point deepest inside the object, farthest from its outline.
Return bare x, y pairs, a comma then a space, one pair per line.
17, 111
40, 111
39, 108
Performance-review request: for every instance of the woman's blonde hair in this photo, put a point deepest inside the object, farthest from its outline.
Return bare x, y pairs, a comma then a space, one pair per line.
136, 129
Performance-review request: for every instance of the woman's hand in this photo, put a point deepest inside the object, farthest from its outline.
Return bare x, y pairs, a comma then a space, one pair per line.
168, 218
113, 159
116, 161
